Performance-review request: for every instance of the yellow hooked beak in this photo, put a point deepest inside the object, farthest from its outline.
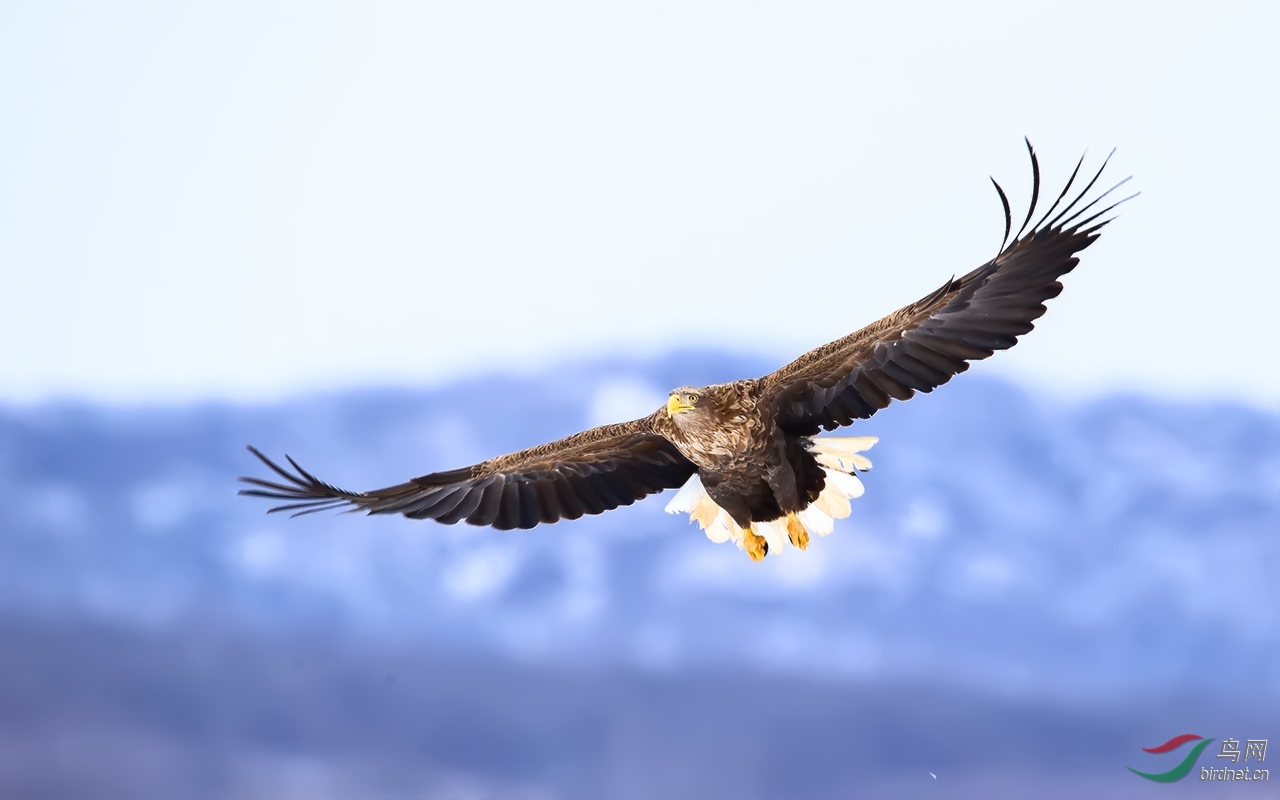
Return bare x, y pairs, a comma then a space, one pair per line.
677, 405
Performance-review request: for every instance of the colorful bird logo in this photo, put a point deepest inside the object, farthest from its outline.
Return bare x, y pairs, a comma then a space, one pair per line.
1179, 772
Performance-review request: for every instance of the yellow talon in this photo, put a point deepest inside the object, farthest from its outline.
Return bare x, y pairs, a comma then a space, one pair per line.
755, 545
796, 532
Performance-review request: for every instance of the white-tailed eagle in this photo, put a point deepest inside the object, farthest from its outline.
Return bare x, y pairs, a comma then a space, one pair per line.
745, 455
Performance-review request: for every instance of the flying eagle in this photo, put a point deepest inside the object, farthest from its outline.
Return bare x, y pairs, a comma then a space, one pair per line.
745, 455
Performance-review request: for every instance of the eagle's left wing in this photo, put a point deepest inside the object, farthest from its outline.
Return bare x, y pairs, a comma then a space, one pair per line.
922, 345
588, 473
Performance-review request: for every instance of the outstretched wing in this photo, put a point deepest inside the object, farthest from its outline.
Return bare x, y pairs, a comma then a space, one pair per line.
921, 346
588, 473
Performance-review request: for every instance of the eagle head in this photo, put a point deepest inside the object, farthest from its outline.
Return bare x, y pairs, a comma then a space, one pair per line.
683, 400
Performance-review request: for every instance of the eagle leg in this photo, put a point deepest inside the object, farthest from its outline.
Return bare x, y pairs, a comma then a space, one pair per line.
755, 545
796, 533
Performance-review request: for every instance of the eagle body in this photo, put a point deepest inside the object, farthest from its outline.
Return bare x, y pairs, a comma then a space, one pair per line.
747, 465
746, 456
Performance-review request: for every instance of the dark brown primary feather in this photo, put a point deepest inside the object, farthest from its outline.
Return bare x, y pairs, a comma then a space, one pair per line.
921, 346
588, 473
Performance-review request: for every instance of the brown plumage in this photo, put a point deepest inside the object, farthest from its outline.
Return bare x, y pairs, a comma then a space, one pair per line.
745, 451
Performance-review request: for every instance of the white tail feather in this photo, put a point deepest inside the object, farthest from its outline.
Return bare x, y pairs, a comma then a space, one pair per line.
706, 511
844, 452
688, 497
843, 464
833, 502
722, 529
817, 523
775, 533
840, 457
848, 485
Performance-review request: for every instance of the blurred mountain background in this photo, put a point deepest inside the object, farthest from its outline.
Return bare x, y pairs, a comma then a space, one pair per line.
1030, 591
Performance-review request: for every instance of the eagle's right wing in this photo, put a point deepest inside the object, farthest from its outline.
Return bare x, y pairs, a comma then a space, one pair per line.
588, 473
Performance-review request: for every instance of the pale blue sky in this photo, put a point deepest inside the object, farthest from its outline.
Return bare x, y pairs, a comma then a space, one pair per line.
250, 199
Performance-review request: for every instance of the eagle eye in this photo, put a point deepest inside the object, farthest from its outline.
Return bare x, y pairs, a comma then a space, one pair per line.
693, 398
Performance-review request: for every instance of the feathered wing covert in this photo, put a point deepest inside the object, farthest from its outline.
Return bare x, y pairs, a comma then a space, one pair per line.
916, 348
921, 346
588, 473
